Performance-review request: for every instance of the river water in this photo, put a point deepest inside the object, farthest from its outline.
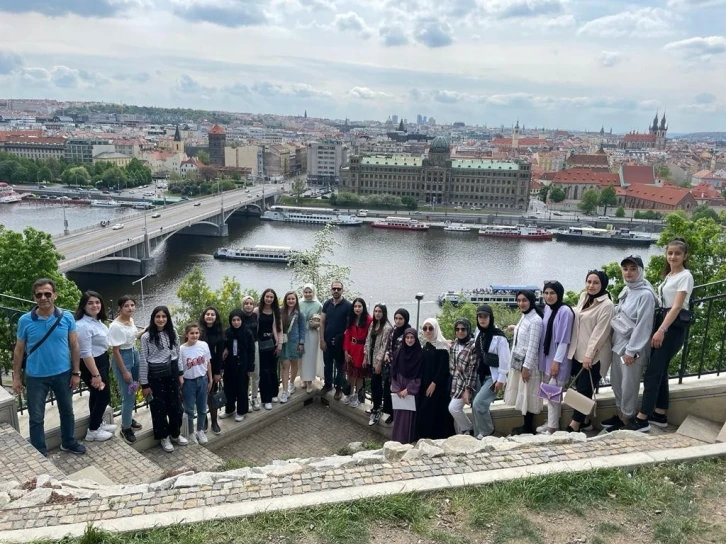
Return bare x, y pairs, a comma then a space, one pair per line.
386, 265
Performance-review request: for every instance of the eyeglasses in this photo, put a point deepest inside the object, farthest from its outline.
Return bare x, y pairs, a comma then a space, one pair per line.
460, 329
336, 288
427, 328
44, 294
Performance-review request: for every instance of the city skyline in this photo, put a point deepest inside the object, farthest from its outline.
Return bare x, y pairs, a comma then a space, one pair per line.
558, 63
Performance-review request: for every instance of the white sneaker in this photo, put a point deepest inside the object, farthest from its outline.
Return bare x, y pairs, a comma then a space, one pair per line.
275, 399
309, 388
99, 435
225, 415
108, 427
202, 437
353, 401
166, 445
255, 404
192, 438
268, 406
283, 397
541, 429
290, 388
345, 399
239, 417
180, 440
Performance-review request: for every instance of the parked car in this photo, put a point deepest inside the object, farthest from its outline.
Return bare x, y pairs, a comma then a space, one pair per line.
117, 226
155, 215
185, 198
197, 203
557, 214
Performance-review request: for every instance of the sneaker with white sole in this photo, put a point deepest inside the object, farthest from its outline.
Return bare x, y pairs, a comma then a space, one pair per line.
255, 404
192, 438
309, 389
99, 435
375, 417
542, 429
290, 388
275, 399
239, 417
166, 445
225, 415
268, 406
202, 437
108, 427
180, 440
345, 399
353, 401
283, 397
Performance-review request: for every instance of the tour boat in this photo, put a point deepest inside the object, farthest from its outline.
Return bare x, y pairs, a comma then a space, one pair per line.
518, 231
341, 220
142, 205
494, 294
267, 254
456, 227
8, 195
590, 235
105, 204
401, 223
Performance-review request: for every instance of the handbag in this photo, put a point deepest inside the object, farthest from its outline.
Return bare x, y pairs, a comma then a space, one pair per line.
578, 401
517, 361
266, 345
622, 324
314, 321
219, 399
685, 317
550, 392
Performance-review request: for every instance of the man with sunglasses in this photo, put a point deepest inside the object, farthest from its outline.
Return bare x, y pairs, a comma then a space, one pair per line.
47, 335
333, 322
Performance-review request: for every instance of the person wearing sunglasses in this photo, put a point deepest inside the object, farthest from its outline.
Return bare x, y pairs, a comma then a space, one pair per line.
333, 322
47, 337
434, 420
462, 367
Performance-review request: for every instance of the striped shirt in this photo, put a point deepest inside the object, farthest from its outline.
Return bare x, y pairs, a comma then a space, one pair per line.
153, 356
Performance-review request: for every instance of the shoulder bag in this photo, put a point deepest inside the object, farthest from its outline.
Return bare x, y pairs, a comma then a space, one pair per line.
517, 362
219, 399
269, 343
40, 343
578, 401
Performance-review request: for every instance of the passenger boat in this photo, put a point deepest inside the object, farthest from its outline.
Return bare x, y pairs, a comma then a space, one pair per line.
8, 195
341, 220
590, 235
494, 294
105, 204
267, 254
142, 205
518, 231
456, 227
401, 223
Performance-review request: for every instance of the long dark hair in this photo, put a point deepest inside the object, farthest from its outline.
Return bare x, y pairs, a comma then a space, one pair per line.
680, 242
275, 306
363, 316
123, 299
384, 316
216, 328
286, 312
154, 333
81, 310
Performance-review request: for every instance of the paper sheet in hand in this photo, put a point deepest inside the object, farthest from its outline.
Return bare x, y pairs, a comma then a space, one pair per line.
407, 403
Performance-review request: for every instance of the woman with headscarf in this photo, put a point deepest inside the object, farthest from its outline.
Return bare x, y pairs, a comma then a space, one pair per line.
462, 367
524, 378
239, 363
400, 324
310, 308
406, 381
433, 419
249, 322
492, 353
374, 354
590, 343
553, 361
632, 326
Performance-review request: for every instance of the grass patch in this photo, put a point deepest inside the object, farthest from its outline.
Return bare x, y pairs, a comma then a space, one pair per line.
515, 527
608, 529
372, 445
233, 464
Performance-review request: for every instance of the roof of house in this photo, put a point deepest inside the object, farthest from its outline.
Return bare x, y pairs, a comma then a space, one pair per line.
483, 164
634, 174
599, 159
35, 140
216, 129
660, 195
706, 191
392, 160
703, 174
633, 137
586, 176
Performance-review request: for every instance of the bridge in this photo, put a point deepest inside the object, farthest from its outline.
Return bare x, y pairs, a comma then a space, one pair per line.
129, 251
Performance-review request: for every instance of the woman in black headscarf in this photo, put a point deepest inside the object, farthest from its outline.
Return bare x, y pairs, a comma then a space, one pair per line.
239, 363
400, 324
406, 381
462, 367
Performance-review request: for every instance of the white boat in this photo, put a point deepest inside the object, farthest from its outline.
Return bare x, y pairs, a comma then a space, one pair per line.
456, 227
8, 195
518, 231
400, 223
142, 205
341, 220
268, 254
493, 294
105, 204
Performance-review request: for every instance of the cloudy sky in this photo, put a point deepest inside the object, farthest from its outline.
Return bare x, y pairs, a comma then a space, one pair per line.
576, 64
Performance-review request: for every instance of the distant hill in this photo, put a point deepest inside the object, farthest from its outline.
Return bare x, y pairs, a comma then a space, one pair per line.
702, 136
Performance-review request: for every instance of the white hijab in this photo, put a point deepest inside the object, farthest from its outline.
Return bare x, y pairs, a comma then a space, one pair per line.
439, 342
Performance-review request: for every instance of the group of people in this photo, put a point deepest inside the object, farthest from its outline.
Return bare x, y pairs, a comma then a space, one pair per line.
421, 380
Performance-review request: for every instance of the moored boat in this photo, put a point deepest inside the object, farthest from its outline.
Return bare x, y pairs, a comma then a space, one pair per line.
493, 294
590, 235
401, 223
105, 204
341, 220
515, 231
268, 254
456, 227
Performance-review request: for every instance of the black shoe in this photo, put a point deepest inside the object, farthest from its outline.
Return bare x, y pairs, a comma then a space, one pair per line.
569, 429
215, 428
327, 388
362, 396
521, 430
619, 425
585, 427
135, 425
389, 420
659, 420
640, 425
128, 435
76, 448
611, 422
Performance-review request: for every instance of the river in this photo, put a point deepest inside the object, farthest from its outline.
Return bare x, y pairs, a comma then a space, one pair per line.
386, 265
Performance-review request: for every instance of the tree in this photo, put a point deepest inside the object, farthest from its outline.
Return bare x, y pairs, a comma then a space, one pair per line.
503, 316
311, 266
544, 190
705, 211
207, 173
78, 175
45, 175
608, 197
203, 156
663, 172
409, 202
297, 189
620, 212
114, 177
137, 173
589, 202
557, 194
25, 257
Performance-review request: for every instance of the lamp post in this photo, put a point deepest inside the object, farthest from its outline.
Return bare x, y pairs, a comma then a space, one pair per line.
419, 298
65, 221
141, 280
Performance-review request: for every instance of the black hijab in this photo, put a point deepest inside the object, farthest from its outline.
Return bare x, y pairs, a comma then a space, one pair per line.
463, 321
604, 280
239, 334
484, 340
559, 290
532, 301
398, 331
407, 360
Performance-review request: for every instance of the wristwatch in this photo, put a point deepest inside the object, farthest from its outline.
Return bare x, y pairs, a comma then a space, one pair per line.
76, 374
94, 376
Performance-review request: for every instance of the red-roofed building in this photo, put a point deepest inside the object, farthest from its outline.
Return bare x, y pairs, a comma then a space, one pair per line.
706, 176
636, 175
217, 142
34, 147
216, 129
655, 138
578, 180
653, 197
596, 161
704, 193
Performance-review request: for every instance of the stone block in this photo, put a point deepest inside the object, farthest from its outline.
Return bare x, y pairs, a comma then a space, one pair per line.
355, 447
33, 498
699, 428
167, 483
336, 461
622, 434
194, 480
369, 457
428, 448
4, 498
394, 451
722, 434
7, 485
560, 437
463, 444
279, 471
90, 473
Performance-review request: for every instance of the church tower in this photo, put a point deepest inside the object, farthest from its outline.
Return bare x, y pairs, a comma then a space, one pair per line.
515, 136
177, 145
661, 133
654, 127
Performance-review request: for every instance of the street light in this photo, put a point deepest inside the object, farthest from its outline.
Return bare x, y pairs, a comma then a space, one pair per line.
141, 280
419, 298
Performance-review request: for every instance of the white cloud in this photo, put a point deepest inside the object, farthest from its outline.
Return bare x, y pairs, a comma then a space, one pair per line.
513, 9
698, 48
433, 33
392, 35
640, 23
693, 4
352, 22
609, 59
63, 77
364, 93
9, 62
299, 90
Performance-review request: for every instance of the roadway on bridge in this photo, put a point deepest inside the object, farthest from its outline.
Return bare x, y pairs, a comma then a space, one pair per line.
82, 243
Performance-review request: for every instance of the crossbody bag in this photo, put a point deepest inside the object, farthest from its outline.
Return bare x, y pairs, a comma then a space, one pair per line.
40, 343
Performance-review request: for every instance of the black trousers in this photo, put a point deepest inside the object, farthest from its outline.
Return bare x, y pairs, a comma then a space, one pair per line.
269, 382
166, 408
584, 386
97, 400
655, 378
387, 400
377, 390
236, 384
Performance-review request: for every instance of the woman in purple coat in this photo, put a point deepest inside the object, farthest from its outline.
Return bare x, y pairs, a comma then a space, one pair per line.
406, 381
553, 361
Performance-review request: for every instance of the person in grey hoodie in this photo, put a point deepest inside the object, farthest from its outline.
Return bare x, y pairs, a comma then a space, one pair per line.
632, 327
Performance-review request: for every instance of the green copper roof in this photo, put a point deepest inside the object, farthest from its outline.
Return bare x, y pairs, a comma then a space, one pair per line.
483, 164
395, 160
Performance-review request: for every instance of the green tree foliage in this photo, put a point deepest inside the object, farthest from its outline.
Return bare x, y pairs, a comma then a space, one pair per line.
137, 173
312, 265
25, 257
347, 199
78, 175
114, 177
203, 156
704, 211
620, 212
297, 189
557, 194
45, 174
503, 316
544, 190
663, 172
608, 197
647, 214
589, 202
409, 202
206, 173
153, 113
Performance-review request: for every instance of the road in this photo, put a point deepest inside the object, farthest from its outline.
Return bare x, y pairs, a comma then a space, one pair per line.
87, 245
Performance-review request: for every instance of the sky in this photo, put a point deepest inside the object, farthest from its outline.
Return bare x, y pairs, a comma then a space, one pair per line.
575, 64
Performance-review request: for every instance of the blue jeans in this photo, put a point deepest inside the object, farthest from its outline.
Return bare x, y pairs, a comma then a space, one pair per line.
194, 392
37, 391
128, 400
483, 424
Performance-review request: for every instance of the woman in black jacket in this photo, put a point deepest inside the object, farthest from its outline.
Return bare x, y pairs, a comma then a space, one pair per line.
210, 327
432, 403
239, 363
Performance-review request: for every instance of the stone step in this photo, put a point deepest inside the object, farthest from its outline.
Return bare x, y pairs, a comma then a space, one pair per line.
21, 461
114, 458
722, 434
699, 428
184, 458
